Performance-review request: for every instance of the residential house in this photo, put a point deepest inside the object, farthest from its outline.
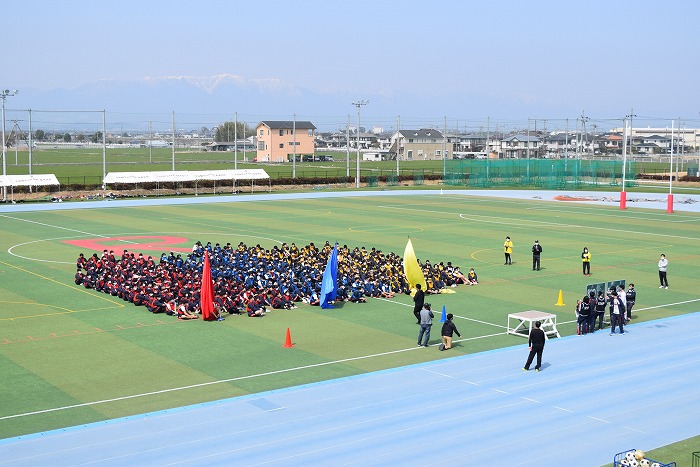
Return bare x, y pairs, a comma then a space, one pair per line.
654, 144
611, 142
559, 145
647, 149
422, 144
278, 140
520, 147
367, 140
471, 143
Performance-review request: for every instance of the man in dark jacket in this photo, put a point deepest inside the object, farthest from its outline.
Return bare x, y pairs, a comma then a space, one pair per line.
418, 300
536, 252
631, 296
448, 328
536, 343
582, 312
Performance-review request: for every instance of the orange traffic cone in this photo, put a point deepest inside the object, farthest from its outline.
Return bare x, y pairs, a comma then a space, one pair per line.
288, 341
560, 302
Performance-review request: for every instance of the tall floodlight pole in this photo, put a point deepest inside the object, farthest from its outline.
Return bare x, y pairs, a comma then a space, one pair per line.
358, 104
4, 94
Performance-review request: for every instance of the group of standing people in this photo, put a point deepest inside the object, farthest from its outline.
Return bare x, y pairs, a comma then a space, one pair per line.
591, 309
585, 260
536, 253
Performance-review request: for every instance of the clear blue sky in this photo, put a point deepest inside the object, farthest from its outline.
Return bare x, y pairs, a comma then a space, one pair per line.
540, 57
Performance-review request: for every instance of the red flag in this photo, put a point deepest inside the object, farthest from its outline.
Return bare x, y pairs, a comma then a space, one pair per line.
206, 294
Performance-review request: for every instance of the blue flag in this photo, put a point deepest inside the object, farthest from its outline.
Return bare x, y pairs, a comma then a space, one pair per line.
329, 285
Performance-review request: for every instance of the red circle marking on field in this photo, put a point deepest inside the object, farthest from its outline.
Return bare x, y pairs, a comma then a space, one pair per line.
160, 243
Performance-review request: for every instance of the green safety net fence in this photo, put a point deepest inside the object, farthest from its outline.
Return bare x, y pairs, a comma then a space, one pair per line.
539, 173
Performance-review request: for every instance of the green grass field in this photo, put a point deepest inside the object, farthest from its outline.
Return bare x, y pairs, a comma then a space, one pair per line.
70, 356
74, 165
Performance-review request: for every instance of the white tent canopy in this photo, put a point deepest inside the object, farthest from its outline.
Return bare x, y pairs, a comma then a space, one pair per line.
186, 176
28, 180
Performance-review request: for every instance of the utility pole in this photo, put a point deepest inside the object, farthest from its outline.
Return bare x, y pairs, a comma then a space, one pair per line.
347, 148
30, 143
444, 149
398, 142
358, 104
235, 141
584, 119
104, 147
528, 138
631, 137
16, 130
173, 141
150, 143
294, 143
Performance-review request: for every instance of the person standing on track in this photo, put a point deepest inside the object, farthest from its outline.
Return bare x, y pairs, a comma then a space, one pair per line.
536, 343
508, 250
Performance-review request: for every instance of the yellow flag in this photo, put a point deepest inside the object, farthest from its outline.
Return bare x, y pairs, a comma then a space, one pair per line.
411, 268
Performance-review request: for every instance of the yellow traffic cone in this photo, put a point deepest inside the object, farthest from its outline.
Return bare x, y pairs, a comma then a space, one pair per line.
560, 302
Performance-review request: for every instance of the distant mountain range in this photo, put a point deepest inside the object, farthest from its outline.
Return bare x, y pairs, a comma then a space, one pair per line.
220, 95
206, 101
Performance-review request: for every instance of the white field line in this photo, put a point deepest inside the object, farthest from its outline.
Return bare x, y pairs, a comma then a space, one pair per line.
227, 380
511, 221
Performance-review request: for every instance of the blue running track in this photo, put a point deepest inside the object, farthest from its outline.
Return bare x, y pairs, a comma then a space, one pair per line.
596, 395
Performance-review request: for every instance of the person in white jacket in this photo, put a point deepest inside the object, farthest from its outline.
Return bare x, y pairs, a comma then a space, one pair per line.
663, 266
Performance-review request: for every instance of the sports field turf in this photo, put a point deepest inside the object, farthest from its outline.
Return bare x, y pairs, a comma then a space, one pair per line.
71, 356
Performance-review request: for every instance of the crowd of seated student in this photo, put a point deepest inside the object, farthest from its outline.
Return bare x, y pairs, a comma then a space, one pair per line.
251, 280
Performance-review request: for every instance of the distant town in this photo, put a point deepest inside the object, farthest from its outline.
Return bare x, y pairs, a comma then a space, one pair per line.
280, 141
